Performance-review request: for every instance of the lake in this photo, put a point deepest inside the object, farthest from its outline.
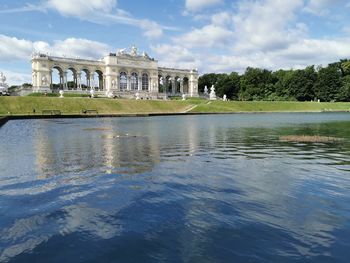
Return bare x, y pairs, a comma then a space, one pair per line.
211, 188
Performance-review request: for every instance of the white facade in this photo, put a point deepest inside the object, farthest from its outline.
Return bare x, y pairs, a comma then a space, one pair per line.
3, 86
116, 74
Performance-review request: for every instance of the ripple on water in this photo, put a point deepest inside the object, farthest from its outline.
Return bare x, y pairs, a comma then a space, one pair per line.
189, 188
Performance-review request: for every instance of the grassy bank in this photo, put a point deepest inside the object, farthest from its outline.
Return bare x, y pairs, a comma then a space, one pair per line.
270, 106
25, 106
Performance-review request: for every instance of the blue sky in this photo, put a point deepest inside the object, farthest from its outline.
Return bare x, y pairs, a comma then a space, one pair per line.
211, 35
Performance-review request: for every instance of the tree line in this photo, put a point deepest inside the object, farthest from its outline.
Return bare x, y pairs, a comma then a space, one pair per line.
331, 83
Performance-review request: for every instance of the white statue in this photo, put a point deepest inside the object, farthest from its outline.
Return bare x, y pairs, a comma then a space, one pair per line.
137, 96
183, 96
61, 93
161, 80
92, 93
212, 95
44, 81
206, 90
224, 98
145, 55
122, 51
109, 94
133, 51
114, 83
2, 78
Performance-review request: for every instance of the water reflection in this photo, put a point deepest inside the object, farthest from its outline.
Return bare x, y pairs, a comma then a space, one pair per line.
187, 189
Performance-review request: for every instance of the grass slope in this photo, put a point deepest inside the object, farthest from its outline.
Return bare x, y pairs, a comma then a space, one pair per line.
269, 106
25, 105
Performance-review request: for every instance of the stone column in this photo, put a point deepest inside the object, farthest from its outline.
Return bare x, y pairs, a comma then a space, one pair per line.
193, 84
128, 86
103, 83
181, 85
92, 81
173, 84
78, 81
61, 81
140, 82
64, 80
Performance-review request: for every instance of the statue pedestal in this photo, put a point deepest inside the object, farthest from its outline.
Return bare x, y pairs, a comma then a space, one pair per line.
42, 89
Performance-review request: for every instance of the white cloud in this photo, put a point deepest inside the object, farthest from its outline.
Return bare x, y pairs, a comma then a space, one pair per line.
16, 78
300, 54
266, 25
102, 11
196, 5
96, 11
175, 56
208, 36
260, 33
14, 49
221, 19
81, 8
322, 7
80, 47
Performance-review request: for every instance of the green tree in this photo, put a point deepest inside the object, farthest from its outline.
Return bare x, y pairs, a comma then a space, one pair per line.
283, 83
207, 80
328, 83
228, 85
301, 84
344, 91
254, 83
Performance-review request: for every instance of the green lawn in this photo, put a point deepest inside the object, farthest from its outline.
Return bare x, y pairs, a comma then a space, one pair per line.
268, 106
25, 106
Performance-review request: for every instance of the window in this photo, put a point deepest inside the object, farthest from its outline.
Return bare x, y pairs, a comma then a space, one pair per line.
144, 81
123, 83
134, 81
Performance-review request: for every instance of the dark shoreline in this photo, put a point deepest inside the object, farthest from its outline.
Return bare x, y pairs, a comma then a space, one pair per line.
5, 119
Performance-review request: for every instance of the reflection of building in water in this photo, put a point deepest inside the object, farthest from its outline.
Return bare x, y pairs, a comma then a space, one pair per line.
103, 150
128, 153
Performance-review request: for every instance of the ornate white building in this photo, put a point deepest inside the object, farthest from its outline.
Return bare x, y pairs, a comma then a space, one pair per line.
123, 73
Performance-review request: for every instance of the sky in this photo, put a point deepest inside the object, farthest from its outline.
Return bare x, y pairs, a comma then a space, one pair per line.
210, 35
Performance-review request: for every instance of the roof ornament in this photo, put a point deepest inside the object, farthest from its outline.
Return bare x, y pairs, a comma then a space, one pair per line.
133, 51
2, 78
145, 55
122, 51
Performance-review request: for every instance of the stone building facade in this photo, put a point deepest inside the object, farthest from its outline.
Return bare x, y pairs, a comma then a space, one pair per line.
123, 73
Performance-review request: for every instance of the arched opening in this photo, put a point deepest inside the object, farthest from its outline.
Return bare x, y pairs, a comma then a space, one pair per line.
169, 84
85, 80
123, 81
134, 81
98, 80
56, 78
161, 84
144, 81
177, 85
185, 85
71, 79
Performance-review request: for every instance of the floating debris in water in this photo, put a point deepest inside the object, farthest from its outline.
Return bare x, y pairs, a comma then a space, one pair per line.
308, 138
97, 129
117, 136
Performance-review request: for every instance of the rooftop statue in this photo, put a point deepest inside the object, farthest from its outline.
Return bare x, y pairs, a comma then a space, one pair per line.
122, 51
145, 55
133, 51
2, 78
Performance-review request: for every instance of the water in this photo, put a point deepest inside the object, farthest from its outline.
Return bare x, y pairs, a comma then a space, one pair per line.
219, 188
